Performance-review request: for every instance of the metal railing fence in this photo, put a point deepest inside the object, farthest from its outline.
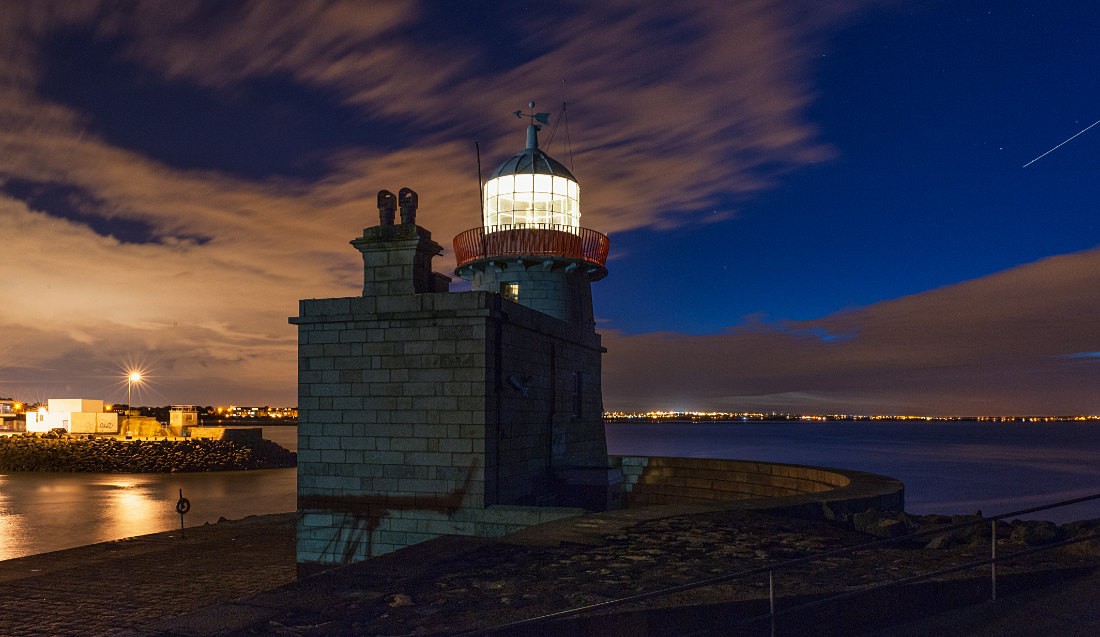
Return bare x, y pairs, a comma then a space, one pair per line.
542, 239
771, 569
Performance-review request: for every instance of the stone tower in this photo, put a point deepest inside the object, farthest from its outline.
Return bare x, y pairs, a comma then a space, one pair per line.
424, 412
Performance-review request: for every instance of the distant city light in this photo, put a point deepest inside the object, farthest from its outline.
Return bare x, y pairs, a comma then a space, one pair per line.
723, 416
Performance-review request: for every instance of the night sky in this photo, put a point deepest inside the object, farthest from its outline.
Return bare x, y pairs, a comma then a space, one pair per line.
813, 207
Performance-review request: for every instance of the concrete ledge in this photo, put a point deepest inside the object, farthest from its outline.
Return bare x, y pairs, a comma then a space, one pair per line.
812, 491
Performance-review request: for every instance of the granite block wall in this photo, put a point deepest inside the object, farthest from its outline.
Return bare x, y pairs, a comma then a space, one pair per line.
553, 287
424, 412
660, 480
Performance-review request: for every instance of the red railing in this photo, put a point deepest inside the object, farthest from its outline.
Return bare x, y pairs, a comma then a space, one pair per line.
532, 240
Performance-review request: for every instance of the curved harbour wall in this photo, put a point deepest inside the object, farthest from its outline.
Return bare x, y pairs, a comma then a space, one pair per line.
651, 481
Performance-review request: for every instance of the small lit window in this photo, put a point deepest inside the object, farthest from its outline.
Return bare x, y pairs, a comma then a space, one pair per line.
510, 291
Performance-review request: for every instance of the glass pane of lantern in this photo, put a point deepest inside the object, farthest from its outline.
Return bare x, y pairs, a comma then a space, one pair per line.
523, 183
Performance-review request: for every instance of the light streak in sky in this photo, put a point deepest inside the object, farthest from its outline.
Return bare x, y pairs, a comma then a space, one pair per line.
1062, 144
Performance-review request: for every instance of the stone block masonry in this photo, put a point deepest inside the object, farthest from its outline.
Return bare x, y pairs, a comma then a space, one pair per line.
659, 481
424, 412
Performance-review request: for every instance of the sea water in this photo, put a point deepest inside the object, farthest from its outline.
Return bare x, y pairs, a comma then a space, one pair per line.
42, 512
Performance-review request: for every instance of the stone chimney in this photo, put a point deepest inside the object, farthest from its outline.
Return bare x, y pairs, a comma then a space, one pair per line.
397, 258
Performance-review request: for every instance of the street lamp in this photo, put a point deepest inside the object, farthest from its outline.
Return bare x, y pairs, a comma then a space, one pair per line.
134, 377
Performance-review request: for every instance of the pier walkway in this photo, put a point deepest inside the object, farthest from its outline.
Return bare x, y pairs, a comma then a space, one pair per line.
238, 578
113, 587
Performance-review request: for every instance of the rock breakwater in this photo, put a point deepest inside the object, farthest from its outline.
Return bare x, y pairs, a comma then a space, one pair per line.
110, 455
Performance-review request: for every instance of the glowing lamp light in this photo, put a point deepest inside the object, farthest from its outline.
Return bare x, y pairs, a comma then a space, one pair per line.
532, 200
131, 378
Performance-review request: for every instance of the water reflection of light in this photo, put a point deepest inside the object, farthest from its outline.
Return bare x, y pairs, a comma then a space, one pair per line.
130, 509
56, 511
13, 531
12, 527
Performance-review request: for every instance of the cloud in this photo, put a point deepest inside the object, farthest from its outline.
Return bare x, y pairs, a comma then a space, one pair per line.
674, 108
1010, 343
675, 104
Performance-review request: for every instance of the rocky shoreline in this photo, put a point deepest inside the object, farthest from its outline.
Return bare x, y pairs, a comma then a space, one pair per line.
76, 454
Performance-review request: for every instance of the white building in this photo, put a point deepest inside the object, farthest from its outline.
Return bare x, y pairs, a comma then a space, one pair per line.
74, 415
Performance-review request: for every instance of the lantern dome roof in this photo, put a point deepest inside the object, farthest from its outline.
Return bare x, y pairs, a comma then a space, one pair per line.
532, 161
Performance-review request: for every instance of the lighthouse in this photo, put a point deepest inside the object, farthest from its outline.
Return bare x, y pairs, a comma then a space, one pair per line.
531, 247
425, 412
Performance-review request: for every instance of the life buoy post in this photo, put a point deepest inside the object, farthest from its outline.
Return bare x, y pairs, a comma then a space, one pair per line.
183, 505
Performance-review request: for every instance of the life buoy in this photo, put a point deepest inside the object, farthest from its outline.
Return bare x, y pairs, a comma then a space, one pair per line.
183, 505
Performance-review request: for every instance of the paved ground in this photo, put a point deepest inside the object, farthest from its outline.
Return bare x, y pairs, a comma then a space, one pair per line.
237, 578
108, 588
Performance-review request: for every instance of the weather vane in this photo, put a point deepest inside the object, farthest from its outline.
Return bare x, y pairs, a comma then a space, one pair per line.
541, 118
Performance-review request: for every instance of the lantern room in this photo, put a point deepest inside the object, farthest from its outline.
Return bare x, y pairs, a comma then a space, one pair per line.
531, 247
532, 189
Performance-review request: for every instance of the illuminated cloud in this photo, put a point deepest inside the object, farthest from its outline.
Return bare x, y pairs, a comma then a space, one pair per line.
1010, 343
115, 246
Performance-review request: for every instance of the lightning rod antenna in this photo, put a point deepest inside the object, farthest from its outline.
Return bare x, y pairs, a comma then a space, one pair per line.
480, 183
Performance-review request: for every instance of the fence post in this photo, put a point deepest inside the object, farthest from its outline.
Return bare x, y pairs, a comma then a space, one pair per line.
771, 599
993, 559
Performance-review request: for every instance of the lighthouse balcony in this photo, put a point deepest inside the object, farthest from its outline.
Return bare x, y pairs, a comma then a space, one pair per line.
581, 245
